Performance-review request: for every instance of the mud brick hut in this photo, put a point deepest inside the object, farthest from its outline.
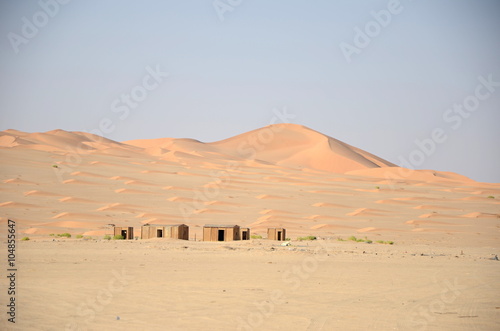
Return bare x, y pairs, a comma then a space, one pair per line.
125, 232
221, 232
176, 231
245, 233
276, 234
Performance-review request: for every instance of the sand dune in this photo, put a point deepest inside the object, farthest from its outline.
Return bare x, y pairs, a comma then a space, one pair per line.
139, 183
275, 211
180, 199
223, 203
155, 215
176, 188
428, 222
437, 215
77, 216
131, 191
41, 193
211, 211
392, 202
329, 205
366, 212
76, 200
70, 224
18, 181
269, 196
13, 204
481, 215
435, 207
78, 182
119, 207
87, 174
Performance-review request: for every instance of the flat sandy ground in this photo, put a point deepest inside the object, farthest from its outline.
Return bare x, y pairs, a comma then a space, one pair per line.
157, 284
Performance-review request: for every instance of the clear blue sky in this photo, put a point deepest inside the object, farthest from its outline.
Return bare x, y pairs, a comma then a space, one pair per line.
226, 76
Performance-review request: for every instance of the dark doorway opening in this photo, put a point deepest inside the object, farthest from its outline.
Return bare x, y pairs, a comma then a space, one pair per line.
124, 234
244, 235
220, 236
279, 235
159, 233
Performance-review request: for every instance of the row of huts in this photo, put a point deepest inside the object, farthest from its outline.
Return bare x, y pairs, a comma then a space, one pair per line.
210, 232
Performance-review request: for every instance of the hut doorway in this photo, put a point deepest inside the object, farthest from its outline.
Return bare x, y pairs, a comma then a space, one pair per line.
279, 235
124, 234
244, 235
220, 236
159, 233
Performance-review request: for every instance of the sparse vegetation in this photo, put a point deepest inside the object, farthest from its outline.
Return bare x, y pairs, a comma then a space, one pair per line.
55, 166
307, 238
79, 236
377, 187
25, 239
385, 242
118, 237
107, 237
67, 235
353, 238
491, 197
288, 239
52, 235
340, 239
256, 236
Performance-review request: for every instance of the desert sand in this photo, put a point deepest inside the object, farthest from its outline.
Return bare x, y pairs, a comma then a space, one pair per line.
440, 273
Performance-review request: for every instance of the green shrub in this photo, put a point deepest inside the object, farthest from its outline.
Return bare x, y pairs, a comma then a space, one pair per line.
79, 236
368, 241
307, 238
390, 242
377, 187
52, 235
107, 237
491, 197
256, 236
288, 239
25, 238
340, 239
118, 237
67, 235
55, 166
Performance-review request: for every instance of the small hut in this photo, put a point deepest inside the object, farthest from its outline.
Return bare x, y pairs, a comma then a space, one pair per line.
176, 231
276, 234
125, 232
244, 233
221, 232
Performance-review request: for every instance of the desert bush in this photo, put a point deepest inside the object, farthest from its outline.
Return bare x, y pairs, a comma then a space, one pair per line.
256, 236
25, 238
79, 236
118, 237
107, 237
67, 235
307, 238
